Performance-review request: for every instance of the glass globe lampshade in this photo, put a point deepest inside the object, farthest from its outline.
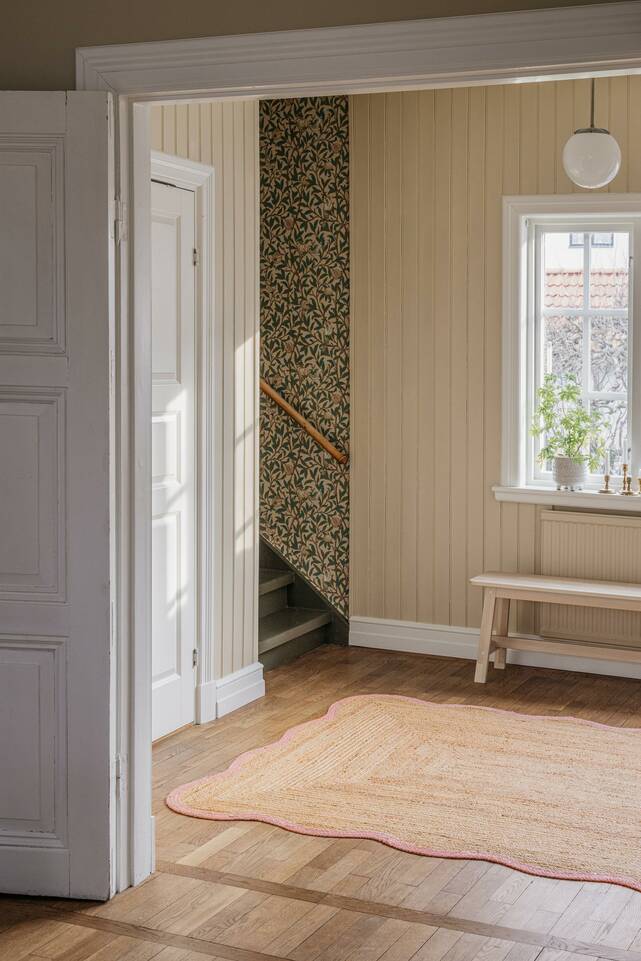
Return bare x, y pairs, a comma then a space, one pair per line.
591, 157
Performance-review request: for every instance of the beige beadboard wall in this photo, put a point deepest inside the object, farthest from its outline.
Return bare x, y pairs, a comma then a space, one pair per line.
225, 135
428, 171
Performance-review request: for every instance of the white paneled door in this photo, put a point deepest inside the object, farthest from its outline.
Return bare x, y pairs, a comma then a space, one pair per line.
55, 337
173, 307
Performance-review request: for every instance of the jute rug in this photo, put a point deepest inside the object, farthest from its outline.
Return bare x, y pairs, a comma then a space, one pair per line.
558, 797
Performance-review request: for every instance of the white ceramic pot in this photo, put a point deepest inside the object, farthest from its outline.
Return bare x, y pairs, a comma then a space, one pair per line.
568, 474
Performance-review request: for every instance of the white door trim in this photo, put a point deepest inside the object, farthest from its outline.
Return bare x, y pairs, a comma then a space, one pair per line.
234, 413
448, 51
485, 49
199, 178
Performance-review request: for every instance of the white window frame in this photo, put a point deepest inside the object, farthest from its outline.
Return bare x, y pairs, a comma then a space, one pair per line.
520, 214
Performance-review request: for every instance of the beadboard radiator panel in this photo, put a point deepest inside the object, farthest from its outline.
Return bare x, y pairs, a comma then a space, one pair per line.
600, 546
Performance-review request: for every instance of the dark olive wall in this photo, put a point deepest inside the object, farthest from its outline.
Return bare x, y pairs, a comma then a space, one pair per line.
304, 335
39, 37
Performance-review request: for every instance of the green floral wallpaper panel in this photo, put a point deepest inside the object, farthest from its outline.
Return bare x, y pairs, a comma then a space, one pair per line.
304, 298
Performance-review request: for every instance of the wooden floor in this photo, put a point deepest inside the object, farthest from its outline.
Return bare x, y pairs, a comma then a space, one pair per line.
251, 892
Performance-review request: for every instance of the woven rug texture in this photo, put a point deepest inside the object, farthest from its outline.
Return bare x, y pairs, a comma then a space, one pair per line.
552, 796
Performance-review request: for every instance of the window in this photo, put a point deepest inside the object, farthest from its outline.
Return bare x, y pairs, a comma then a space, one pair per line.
569, 311
579, 316
596, 240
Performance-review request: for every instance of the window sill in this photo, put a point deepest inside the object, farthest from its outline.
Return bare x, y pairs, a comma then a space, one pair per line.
548, 496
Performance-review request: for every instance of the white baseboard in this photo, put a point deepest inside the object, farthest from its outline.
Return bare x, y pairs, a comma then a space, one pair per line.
206, 702
240, 688
445, 641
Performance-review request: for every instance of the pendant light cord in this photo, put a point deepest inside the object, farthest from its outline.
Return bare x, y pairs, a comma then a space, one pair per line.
592, 106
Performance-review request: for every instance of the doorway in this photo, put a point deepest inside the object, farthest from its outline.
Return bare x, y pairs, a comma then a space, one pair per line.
345, 60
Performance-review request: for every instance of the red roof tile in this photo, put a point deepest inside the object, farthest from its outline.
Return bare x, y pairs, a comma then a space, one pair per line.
564, 288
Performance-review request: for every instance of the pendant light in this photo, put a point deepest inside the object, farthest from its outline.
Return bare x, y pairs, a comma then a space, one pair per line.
591, 157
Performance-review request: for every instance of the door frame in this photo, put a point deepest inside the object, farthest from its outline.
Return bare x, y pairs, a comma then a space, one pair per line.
536, 45
199, 179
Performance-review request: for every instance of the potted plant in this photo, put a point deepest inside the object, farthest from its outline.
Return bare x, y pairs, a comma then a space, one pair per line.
572, 437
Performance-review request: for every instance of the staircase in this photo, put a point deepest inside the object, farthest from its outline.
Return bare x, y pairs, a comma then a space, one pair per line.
293, 619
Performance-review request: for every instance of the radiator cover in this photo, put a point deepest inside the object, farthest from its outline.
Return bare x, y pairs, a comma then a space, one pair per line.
600, 546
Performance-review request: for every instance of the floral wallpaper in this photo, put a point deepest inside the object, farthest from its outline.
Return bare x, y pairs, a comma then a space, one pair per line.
304, 300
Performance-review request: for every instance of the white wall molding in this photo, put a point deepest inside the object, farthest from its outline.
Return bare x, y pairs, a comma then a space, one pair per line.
486, 48
206, 702
237, 689
198, 177
219, 697
550, 497
233, 358
445, 641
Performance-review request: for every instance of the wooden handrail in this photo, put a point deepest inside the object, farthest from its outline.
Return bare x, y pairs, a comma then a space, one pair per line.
303, 422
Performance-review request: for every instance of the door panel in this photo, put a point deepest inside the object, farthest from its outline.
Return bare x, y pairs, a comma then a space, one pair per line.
173, 452
56, 329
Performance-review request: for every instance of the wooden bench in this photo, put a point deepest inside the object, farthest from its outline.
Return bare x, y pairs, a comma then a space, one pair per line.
501, 589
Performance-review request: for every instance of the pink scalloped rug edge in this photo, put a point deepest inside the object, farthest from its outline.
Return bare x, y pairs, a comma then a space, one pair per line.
175, 804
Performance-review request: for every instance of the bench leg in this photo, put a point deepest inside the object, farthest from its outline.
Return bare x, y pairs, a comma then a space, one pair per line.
502, 621
485, 638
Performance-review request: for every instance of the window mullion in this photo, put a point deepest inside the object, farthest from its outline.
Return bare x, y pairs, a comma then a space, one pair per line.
535, 367
634, 348
587, 323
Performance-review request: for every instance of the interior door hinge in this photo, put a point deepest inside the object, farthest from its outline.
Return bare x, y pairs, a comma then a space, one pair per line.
194, 657
120, 221
196, 257
121, 775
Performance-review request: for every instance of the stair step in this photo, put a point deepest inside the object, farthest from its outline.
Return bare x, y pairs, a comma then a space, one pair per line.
273, 601
283, 626
285, 653
271, 580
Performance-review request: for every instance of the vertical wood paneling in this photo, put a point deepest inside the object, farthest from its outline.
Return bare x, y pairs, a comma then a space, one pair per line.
618, 92
536, 123
193, 131
546, 137
511, 168
440, 366
459, 263
360, 440
376, 319
493, 188
225, 135
426, 479
564, 101
182, 130
634, 134
476, 320
409, 369
168, 126
394, 333
428, 172
250, 255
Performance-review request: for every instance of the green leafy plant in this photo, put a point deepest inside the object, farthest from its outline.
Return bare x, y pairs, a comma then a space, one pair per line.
565, 426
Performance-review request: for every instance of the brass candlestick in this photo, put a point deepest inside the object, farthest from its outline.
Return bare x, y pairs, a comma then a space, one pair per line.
628, 488
606, 485
624, 482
